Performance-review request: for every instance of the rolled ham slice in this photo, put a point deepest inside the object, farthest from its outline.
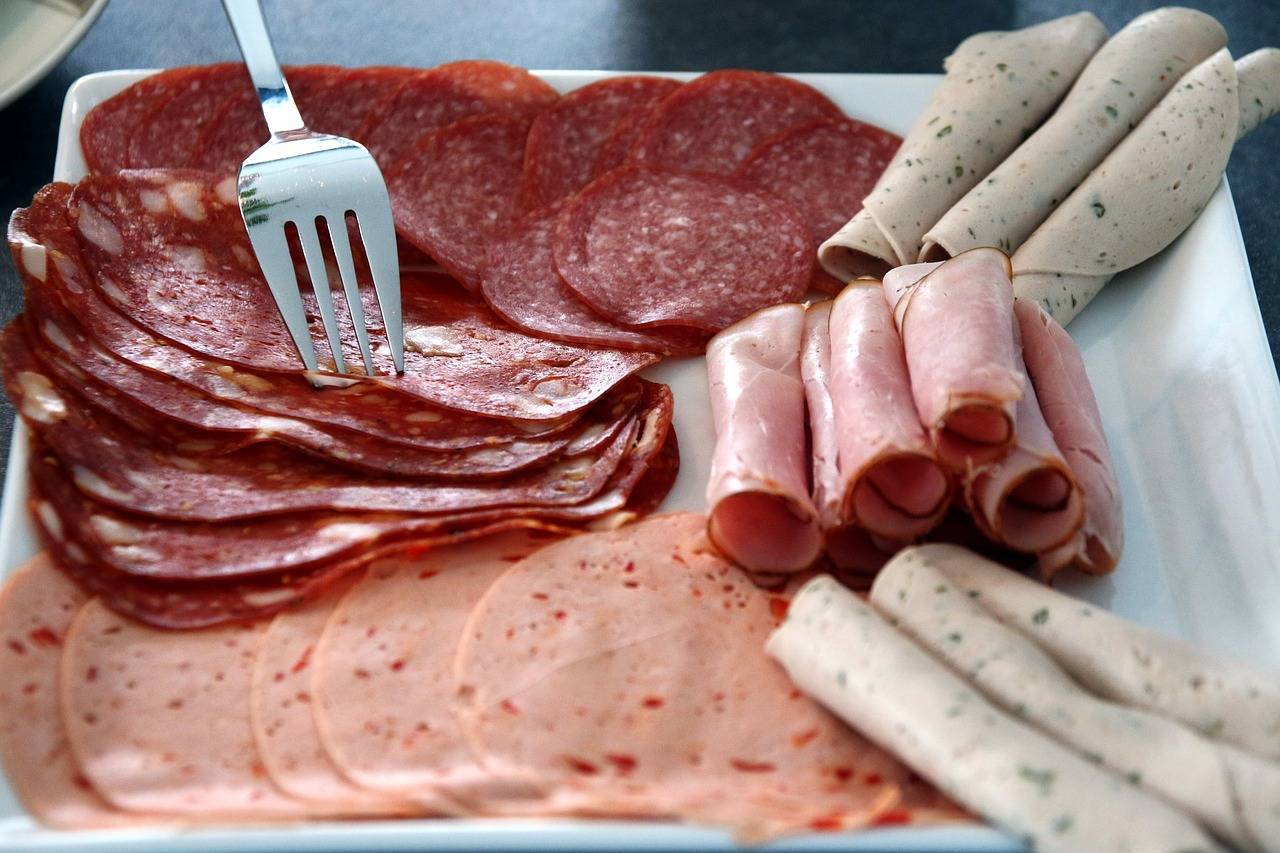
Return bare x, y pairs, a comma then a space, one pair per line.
899, 280
758, 492
1031, 500
1234, 794
839, 650
1226, 700
1123, 81
962, 358
1068, 407
891, 484
998, 87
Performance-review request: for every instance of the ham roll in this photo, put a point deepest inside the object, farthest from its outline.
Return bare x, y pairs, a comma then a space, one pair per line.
761, 516
891, 484
1059, 380
961, 356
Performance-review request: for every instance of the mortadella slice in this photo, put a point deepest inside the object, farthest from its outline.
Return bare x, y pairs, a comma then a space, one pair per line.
1142, 196
890, 481
761, 516
840, 651
998, 87
1059, 380
1234, 794
1120, 85
958, 338
1227, 700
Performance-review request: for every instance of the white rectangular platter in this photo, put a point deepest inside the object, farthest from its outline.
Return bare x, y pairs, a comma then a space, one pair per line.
1179, 359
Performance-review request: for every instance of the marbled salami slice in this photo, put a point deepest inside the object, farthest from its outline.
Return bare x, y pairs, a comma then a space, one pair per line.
183, 268
713, 122
108, 130
652, 247
566, 139
520, 283
458, 190
432, 99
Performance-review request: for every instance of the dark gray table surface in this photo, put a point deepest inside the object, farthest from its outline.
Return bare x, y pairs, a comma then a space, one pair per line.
775, 35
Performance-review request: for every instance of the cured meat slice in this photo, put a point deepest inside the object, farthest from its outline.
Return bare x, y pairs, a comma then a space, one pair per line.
890, 481
341, 104
458, 190
167, 134
961, 355
45, 251
899, 280
760, 515
284, 727
566, 139
649, 247
617, 145
1069, 408
133, 696
108, 130
384, 679
166, 550
194, 281
584, 669
712, 123
520, 283
430, 100
796, 165
36, 609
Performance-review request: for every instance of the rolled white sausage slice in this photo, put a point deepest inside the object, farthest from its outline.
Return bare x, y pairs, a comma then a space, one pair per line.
761, 516
1259, 76
1224, 699
1236, 795
1121, 83
839, 650
998, 87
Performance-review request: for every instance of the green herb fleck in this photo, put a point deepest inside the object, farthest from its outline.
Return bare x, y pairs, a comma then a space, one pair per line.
1041, 616
975, 593
1000, 66
842, 679
1042, 779
959, 171
955, 636
1099, 210
1112, 111
1053, 72
1213, 728
1134, 778
946, 131
940, 588
1063, 824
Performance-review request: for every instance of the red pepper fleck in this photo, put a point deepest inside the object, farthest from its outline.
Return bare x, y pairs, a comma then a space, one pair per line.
653, 702
44, 637
676, 558
778, 607
560, 614
584, 767
697, 593
630, 584
81, 782
804, 738
727, 587
874, 779
510, 707
362, 674
827, 823
426, 573
279, 676
511, 633
397, 665
844, 774
629, 567
893, 817
795, 694
623, 762
301, 663
91, 674
30, 687
175, 704
540, 596
752, 766
18, 647
370, 631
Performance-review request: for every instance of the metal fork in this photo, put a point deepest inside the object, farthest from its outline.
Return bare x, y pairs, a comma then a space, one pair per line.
304, 177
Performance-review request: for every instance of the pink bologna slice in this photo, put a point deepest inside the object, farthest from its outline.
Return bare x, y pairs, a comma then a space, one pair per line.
891, 484
521, 285
760, 515
1068, 405
458, 190
566, 139
712, 123
824, 168
585, 671
648, 247
433, 99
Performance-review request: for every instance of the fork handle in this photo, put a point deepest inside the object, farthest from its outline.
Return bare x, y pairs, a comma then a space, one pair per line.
278, 107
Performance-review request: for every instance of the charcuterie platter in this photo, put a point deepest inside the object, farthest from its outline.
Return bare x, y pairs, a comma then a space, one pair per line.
1182, 376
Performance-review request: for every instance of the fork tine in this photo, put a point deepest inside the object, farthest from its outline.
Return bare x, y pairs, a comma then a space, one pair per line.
341, 241
378, 232
272, 250
320, 284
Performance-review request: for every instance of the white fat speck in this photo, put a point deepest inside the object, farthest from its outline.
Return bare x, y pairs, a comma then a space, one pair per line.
247, 381
587, 437
424, 417
612, 521
49, 519
114, 532
550, 390
186, 199
153, 201
40, 401
225, 191
531, 427
269, 426
90, 482
269, 597
99, 230
35, 260
111, 289
347, 531
322, 380
433, 340
491, 455
137, 554
242, 255
574, 470
196, 446
75, 552
186, 463
54, 335
190, 258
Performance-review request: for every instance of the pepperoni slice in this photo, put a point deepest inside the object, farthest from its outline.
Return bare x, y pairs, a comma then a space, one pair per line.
447, 93
713, 122
341, 104
650, 247
172, 128
108, 130
521, 285
566, 139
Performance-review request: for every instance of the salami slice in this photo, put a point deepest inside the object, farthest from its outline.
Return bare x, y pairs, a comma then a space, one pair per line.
458, 190
108, 130
565, 140
42, 236
445, 94
168, 133
650, 247
521, 285
714, 122
616, 146
185, 272
341, 104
